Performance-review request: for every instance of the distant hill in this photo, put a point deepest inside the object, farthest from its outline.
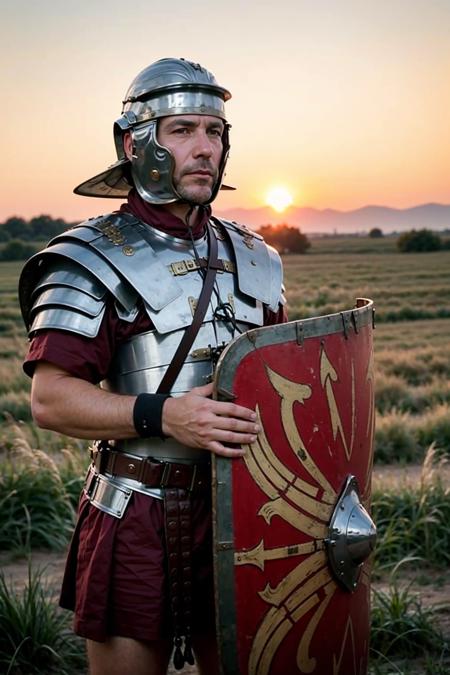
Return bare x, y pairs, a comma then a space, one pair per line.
431, 216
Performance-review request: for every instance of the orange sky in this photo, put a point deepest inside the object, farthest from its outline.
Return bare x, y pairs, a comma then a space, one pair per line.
345, 104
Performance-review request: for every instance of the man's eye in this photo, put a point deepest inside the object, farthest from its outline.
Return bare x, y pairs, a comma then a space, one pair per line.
215, 132
181, 131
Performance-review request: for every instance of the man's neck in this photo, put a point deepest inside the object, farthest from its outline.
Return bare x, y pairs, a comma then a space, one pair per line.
181, 210
170, 218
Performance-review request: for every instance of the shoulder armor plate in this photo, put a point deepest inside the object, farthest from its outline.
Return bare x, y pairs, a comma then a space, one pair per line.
120, 240
67, 298
110, 253
255, 261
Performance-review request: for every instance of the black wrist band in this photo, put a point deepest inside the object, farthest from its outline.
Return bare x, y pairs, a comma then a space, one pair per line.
147, 414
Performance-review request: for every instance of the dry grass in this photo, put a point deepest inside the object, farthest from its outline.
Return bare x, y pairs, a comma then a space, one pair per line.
415, 286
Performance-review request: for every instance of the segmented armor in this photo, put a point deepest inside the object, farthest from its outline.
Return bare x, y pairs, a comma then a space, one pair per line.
66, 287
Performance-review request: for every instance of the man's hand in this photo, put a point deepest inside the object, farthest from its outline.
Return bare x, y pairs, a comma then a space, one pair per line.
199, 422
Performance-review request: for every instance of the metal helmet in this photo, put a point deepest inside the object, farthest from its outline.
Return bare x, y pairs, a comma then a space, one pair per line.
167, 87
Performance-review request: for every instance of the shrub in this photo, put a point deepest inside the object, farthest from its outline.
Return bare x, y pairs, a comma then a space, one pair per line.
419, 241
376, 233
285, 239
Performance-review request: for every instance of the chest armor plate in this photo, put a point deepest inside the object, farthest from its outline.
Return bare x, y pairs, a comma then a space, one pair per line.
140, 363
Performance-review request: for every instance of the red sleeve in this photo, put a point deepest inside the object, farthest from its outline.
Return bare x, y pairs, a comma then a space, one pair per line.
272, 318
83, 357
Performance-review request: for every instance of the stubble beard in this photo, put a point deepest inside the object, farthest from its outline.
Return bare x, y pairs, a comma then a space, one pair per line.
197, 193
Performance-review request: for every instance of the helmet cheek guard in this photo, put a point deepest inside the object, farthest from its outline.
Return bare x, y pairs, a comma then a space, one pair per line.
152, 166
166, 88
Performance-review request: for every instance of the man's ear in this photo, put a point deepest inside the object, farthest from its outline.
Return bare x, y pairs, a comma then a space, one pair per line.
128, 144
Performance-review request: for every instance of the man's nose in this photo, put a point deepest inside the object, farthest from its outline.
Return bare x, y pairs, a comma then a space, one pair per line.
203, 145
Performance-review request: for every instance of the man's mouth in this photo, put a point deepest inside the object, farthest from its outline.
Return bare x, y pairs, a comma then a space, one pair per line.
200, 172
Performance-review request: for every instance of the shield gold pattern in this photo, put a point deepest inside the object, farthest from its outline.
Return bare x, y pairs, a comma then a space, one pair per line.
291, 528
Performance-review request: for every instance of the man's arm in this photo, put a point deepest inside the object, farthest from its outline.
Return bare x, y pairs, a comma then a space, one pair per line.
72, 406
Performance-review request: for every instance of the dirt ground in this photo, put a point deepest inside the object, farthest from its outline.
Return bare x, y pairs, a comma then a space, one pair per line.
433, 587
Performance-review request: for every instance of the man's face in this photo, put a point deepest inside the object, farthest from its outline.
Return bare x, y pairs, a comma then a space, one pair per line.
195, 142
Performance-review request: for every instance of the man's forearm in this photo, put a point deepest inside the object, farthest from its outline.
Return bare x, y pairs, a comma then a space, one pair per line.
71, 406
74, 407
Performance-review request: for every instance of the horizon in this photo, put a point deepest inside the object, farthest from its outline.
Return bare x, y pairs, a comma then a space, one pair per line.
351, 113
393, 221
263, 207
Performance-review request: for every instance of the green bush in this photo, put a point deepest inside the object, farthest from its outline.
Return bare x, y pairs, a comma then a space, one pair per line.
376, 233
419, 241
285, 239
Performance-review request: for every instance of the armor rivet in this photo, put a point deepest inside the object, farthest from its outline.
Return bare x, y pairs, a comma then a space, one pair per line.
128, 250
155, 175
131, 468
177, 472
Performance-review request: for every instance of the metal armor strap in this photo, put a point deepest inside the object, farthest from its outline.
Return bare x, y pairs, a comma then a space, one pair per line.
190, 334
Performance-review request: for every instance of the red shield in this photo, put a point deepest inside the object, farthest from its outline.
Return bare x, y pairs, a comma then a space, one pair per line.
281, 606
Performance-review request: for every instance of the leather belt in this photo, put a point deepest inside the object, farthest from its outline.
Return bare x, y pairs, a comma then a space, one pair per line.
195, 477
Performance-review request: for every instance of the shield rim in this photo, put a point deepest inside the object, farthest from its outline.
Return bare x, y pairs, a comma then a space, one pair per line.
361, 315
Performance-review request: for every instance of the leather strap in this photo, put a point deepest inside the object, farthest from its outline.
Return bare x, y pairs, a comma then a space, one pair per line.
193, 477
190, 334
178, 527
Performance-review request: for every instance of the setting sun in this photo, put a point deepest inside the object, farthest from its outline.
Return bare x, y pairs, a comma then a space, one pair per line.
279, 198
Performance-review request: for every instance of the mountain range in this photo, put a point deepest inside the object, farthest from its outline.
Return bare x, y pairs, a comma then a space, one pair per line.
322, 221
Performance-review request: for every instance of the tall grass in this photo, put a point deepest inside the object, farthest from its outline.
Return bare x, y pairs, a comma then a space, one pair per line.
34, 634
37, 497
402, 437
401, 626
414, 522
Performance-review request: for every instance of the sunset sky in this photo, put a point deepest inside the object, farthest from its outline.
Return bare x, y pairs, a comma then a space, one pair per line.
343, 103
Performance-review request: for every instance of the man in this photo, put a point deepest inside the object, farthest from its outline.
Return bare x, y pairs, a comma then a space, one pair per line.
142, 301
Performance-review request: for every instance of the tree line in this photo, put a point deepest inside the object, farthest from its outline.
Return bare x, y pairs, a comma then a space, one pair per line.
19, 237
39, 228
